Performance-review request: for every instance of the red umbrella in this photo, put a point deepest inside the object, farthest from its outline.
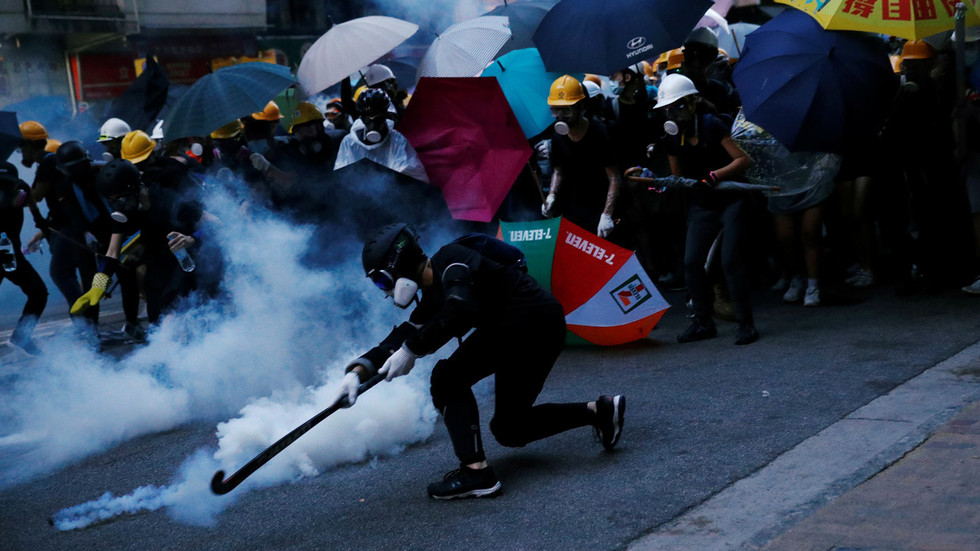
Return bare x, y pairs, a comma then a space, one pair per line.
469, 141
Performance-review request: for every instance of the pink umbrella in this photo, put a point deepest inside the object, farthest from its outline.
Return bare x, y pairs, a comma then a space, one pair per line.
469, 141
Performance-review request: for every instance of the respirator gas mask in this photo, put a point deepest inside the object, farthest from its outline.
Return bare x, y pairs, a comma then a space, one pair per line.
565, 117
125, 206
375, 128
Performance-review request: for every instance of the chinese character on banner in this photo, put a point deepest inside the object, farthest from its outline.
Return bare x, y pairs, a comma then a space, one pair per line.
924, 9
950, 6
897, 10
860, 8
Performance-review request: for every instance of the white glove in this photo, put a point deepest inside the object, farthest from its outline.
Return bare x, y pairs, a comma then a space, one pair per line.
548, 203
605, 225
400, 363
349, 387
259, 162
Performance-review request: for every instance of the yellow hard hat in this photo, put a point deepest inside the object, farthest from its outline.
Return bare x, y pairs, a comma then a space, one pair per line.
52, 145
33, 131
137, 146
229, 130
305, 112
675, 58
270, 113
917, 49
662, 58
566, 90
647, 68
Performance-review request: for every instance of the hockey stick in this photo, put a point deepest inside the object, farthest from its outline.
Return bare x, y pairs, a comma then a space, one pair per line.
221, 485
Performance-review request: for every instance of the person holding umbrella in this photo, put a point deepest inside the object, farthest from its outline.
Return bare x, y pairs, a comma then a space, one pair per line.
585, 181
699, 145
519, 331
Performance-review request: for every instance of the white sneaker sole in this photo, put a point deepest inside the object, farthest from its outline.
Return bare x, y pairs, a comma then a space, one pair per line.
480, 492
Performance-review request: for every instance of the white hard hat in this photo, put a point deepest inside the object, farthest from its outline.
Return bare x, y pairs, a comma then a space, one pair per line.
157, 133
377, 74
591, 88
112, 129
673, 87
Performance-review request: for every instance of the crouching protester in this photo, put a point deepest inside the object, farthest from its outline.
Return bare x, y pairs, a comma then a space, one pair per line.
167, 222
519, 333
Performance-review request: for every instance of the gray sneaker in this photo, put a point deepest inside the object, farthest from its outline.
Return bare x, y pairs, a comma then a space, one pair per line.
795, 291
812, 297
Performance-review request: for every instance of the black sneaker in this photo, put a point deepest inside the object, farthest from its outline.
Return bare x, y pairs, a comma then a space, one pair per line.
746, 334
465, 482
135, 332
698, 331
610, 413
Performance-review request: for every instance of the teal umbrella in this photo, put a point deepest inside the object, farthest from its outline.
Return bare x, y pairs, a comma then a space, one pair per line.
526, 85
229, 93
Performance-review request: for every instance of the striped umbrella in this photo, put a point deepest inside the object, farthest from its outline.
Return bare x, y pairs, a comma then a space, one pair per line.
466, 48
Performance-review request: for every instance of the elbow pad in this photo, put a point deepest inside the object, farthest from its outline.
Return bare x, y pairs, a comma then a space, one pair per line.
458, 283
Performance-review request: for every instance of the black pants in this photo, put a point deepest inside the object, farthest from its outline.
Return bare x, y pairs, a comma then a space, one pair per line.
703, 226
69, 261
520, 354
27, 278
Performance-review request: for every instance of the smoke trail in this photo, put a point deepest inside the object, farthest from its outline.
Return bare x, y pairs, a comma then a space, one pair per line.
381, 423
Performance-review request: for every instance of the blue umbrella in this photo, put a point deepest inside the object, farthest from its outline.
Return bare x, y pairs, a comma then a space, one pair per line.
605, 36
813, 89
225, 95
526, 84
9, 134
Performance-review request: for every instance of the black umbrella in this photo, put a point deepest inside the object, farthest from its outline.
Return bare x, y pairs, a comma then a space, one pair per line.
142, 101
9, 134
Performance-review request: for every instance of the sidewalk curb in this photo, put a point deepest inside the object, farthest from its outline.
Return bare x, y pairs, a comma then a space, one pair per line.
754, 510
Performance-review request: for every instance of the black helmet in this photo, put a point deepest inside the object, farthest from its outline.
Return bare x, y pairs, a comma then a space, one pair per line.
118, 177
70, 154
372, 102
394, 252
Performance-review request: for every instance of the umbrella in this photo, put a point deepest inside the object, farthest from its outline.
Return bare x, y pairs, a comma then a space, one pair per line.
143, 100
814, 90
223, 96
347, 47
906, 18
465, 49
468, 140
608, 298
526, 83
524, 17
9, 134
605, 37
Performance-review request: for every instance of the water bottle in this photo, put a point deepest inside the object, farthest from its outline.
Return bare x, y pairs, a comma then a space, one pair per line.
8, 247
185, 260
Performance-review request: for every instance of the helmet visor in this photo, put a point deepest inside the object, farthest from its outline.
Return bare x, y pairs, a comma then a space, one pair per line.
383, 280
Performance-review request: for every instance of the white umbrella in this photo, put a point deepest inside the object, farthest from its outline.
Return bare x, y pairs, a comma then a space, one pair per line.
465, 49
347, 47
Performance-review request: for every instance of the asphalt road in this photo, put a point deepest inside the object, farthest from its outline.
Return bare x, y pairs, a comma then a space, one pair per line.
700, 417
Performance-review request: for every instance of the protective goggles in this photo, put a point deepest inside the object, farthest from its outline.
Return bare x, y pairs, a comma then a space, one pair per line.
382, 280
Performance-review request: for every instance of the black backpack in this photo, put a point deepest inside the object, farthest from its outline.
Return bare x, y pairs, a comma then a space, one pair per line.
496, 250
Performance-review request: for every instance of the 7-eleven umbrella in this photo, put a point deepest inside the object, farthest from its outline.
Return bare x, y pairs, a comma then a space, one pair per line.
911, 19
608, 298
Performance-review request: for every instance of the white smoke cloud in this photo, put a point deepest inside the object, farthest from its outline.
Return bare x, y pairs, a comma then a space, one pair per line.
264, 359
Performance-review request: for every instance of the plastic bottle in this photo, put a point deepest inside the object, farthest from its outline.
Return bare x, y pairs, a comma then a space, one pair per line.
185, 260
8, 247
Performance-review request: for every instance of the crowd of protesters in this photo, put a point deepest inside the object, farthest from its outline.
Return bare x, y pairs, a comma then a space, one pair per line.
904, 212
